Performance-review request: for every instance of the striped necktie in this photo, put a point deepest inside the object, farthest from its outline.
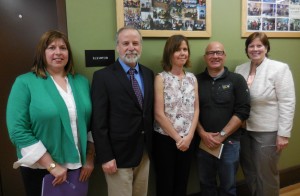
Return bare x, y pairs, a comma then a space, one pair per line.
135, 86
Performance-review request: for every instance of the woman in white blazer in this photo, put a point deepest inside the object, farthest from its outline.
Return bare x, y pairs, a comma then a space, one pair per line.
271, 117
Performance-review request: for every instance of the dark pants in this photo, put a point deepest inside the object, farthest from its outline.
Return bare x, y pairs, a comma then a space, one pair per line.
33, 179
171, 165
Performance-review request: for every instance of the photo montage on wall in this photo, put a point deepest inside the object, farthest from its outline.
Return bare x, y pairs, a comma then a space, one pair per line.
277, 18
162, 18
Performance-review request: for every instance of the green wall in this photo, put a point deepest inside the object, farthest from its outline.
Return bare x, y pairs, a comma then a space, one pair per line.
92, 26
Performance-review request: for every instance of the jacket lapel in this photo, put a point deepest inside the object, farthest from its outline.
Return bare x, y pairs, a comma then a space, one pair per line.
121, 76
146, 80
80, 110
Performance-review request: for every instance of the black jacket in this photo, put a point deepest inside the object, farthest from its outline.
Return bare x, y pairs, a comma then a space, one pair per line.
121, 129
222, 98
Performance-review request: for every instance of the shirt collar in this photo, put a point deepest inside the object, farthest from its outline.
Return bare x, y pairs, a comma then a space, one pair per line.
126, 67
221, 75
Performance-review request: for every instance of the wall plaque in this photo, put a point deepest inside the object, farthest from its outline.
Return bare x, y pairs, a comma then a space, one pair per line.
97, 58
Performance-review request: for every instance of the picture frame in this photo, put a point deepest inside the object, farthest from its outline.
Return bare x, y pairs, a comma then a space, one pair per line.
163, 18
276, 18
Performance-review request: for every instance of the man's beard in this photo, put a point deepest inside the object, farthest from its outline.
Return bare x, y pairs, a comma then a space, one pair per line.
131, 59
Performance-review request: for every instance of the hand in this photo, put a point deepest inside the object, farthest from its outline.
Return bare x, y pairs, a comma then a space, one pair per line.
210, 139
110, 167
281, 143
87, 168
60, 174
219, 138
183, 144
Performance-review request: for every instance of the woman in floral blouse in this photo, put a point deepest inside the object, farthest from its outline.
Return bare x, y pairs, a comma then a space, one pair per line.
176, 110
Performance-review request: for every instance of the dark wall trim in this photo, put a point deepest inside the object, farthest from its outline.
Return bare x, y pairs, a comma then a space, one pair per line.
290, 176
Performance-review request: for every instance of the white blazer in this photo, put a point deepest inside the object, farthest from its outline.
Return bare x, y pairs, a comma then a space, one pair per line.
272, 95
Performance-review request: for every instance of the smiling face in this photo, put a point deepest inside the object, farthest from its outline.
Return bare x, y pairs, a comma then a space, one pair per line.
215, 56
129, 46
56, 55
256, 51
181, 55
176, 53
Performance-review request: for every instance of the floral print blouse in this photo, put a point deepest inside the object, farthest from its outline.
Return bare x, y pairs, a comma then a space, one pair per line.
179, 100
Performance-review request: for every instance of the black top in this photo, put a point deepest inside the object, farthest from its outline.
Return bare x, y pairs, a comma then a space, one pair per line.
220, 98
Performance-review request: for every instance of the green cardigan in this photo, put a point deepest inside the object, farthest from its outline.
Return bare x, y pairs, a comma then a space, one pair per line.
36, 111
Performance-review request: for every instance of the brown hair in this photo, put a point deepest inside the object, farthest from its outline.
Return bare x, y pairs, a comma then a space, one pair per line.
172, 45
39, 62
262, 37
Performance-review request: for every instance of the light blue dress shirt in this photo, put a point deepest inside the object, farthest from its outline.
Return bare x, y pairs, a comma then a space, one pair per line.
137, 75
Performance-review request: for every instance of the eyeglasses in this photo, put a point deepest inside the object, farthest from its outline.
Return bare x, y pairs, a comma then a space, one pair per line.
212, 53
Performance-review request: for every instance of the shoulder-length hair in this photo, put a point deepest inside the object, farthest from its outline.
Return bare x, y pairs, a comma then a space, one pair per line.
262, 37
40, 63
172, 45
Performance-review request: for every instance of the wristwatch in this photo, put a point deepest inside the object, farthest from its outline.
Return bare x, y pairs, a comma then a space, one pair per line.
51, 166
223, 133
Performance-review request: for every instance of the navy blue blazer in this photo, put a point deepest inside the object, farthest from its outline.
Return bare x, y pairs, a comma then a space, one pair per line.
121, 129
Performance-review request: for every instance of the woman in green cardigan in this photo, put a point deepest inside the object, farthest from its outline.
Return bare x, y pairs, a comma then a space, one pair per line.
48, 117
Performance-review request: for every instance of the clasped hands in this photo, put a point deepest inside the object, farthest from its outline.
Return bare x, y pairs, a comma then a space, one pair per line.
183, 144
211, 140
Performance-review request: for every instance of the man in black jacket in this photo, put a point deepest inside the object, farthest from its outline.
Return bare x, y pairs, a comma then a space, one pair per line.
224, 105
122, 120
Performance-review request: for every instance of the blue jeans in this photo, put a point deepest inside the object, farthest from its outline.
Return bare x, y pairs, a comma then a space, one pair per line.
210, 168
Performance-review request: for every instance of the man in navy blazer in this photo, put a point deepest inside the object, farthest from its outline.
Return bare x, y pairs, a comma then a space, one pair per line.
121, 127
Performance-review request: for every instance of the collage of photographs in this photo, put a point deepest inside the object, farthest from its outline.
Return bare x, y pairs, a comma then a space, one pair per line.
273, 15
184, 15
